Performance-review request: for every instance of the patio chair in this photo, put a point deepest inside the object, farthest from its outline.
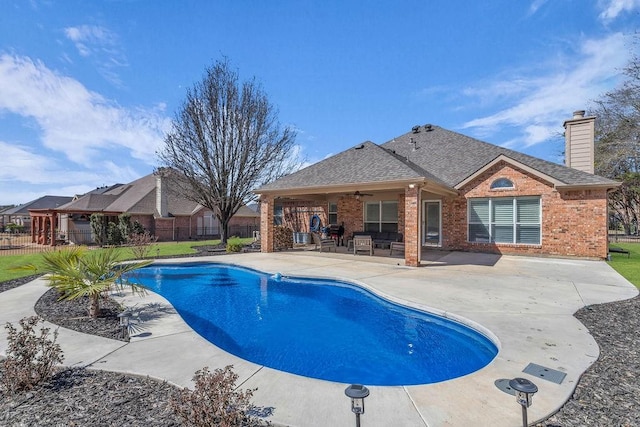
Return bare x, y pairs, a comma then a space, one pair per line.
324, 243
396, 246
362, 243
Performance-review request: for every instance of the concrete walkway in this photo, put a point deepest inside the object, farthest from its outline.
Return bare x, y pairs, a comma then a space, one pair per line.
525, 304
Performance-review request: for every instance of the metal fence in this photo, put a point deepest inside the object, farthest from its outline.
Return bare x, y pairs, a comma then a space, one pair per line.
21, 243
621, 238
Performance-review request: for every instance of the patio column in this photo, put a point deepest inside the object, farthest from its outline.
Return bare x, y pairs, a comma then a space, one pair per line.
34, 227
412, 245
52, 219
266, 224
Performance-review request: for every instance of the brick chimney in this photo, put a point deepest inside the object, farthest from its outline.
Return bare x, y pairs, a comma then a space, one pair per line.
579, 137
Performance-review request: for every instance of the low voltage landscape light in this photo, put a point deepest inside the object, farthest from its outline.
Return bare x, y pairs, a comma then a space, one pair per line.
125, 320
357, 393
525, 390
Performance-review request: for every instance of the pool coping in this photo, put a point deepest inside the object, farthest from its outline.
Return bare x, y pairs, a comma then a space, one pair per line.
170, 350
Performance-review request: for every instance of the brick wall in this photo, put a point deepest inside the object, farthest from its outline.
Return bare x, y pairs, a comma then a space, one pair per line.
296, 214
574, 223
350, 212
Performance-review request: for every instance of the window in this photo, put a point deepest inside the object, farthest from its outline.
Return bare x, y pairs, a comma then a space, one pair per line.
333, 213
505, 220
277, 215
381, 216
501, 183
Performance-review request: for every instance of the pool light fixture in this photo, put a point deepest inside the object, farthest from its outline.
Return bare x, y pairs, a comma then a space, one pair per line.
357, 393
525, 390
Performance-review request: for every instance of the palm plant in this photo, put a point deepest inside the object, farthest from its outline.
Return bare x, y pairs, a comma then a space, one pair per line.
77, 272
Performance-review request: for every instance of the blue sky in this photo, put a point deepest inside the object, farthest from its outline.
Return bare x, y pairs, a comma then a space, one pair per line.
89, 88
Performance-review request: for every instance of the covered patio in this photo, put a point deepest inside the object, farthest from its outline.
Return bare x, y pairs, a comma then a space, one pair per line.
408, 210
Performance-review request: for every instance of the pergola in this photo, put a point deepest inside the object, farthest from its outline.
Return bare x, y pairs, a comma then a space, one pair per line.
43, 226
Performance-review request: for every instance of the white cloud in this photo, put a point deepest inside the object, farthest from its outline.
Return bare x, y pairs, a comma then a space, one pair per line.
611, 9
101, 46
535, 5
538, 105
74, 121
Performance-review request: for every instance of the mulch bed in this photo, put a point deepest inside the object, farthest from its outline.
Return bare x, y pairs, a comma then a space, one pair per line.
608, 393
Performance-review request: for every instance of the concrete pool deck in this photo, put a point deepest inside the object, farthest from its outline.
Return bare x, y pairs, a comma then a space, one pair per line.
525, 303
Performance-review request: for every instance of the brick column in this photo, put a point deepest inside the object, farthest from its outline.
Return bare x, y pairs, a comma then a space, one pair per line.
412, 245
350, 211
266, 224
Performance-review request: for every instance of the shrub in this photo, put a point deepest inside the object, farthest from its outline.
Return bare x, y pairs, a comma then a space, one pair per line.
124, 226
141, 244
234, 244
114, 235
214, 401
98, 228
30, 357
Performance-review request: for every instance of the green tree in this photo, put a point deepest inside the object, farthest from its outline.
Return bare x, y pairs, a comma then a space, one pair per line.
98, 228
125, 226
77, 272
225, 141
617, 154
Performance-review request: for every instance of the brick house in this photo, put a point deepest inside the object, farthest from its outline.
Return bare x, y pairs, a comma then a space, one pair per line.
443, 189
150, 201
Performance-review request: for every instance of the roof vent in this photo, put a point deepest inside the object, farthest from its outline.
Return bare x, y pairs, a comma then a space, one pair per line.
415, 129
428, 127
359, 147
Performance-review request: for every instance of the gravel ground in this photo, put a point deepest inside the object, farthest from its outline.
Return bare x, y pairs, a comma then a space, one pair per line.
608, 394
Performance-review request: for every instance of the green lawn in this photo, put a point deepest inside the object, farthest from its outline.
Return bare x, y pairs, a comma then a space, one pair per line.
627, 267
7, 263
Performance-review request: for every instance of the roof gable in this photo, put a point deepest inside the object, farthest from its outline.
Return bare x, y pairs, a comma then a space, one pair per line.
454, 158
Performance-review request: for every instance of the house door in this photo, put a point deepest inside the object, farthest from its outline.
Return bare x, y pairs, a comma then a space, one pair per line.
431, 229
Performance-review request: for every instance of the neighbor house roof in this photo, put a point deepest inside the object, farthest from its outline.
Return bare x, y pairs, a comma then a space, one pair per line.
137, 197
432, 153
44, 202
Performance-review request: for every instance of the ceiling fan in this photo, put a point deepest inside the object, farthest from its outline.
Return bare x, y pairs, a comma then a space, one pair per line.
358, 194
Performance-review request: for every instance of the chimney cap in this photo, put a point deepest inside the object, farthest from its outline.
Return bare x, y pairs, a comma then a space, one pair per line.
578, 114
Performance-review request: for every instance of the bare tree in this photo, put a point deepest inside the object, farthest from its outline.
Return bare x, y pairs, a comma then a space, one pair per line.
618, 143
226, 141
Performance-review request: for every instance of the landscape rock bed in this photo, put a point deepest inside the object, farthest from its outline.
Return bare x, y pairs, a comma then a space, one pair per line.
608, 393
74, 314
83, 397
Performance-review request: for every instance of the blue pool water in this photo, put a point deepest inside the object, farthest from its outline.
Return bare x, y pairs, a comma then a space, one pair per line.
317, 328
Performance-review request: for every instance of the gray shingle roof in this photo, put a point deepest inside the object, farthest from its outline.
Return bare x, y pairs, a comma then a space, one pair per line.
364, 163
44, 202
137, 197
440, 155
453, 157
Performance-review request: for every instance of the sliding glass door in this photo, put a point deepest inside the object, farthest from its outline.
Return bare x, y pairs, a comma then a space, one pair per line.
431, 226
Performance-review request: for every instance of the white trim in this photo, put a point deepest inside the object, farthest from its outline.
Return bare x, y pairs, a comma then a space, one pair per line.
503, 158
423, 218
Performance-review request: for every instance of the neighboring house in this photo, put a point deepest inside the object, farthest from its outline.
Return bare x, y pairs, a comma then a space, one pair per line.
19, 215
443, 189
148, 200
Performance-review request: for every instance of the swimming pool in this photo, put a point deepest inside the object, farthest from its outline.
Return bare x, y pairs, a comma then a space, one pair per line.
318, 328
